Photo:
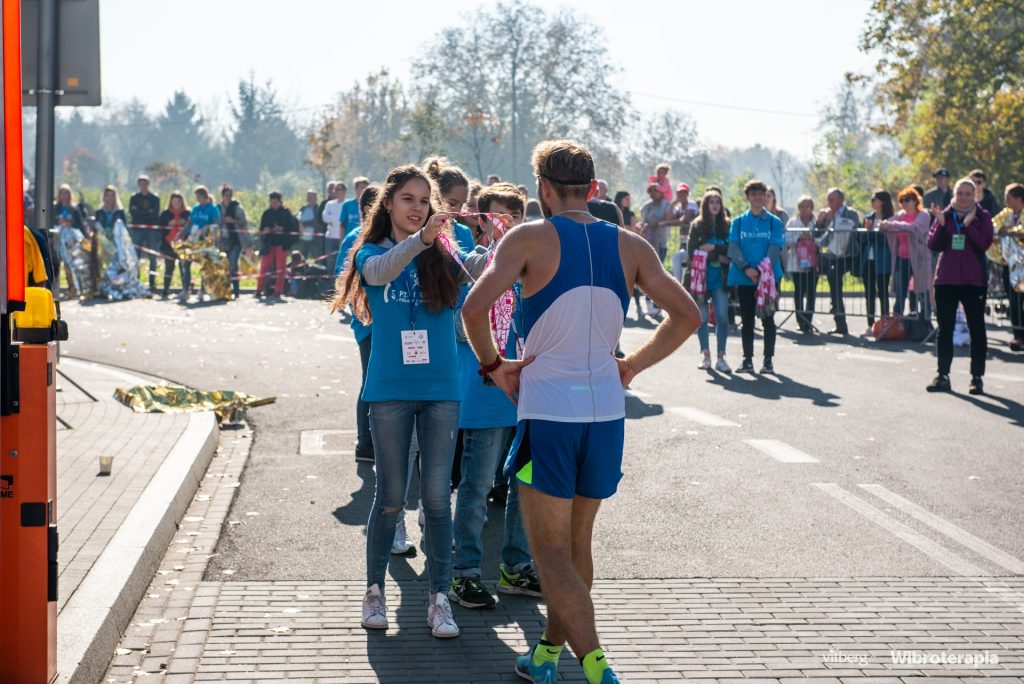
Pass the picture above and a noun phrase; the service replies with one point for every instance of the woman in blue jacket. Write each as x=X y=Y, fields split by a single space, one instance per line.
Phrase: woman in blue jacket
x=404 y=281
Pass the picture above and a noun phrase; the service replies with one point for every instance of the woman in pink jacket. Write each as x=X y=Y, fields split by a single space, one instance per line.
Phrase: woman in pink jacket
x=907 y=233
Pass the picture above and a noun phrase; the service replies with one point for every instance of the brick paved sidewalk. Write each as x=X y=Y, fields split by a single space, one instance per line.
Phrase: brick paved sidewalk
x=706 y=629
x=90 y=507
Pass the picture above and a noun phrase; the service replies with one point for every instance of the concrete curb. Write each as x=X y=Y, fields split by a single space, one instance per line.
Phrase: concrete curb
x=97 y=615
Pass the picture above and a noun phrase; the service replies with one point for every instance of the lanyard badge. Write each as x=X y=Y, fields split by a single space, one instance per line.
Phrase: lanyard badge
x=959 y=240
x=415 y=343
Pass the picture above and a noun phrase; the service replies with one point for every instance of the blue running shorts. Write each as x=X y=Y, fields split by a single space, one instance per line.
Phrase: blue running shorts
x=568 y=459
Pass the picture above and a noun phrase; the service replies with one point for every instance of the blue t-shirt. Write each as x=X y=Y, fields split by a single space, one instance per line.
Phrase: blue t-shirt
x=755 y=234
x=393 y=306
x=359 y=329
x=204 y=214
x=350 y=216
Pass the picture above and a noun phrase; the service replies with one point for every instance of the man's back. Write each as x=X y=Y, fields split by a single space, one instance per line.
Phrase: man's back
x=572 y=324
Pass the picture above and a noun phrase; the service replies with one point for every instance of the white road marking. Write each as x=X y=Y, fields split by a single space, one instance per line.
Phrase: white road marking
x=958 y=534
x=701 y=417
x=781 y=451
x=312 y=443
x=170 y=317
x=869 y=357
x=336 y=338
x=918 y=541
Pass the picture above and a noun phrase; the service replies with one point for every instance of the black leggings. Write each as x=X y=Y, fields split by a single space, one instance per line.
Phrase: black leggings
x=876 y=286
x=805 y=284
x=973 y=298
x=748 y=312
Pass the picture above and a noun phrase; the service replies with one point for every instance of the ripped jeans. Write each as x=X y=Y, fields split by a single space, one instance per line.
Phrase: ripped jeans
x=391 y=426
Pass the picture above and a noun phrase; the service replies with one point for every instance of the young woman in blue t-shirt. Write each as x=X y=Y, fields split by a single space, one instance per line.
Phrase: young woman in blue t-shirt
x=402 y=278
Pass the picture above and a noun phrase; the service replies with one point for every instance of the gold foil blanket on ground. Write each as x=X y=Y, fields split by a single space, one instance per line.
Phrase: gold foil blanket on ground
x=229 y=406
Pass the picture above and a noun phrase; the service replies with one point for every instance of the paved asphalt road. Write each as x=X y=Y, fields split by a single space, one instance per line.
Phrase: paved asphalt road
x=839 y=466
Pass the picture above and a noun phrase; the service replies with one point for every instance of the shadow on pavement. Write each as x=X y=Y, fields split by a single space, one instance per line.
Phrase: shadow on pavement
x=774 y=387
x=1009 y=409
x=637 y=408
x=408 y=653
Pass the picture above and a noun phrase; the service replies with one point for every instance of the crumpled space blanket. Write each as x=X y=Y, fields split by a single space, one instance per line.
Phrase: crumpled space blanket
x=230 y=406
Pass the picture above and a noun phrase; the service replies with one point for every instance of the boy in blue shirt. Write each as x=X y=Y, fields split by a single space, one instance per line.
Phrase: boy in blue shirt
x=755 y=235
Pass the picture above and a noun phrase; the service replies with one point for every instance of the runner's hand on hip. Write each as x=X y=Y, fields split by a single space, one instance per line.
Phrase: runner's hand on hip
x=506 y=376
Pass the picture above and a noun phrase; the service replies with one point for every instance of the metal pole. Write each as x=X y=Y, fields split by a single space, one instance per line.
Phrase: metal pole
x=46 y=95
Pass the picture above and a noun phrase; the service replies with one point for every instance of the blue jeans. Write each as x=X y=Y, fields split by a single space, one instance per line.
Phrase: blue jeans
x=392 y=423
x=481 y=453
x=720 y=300
x=364 y=441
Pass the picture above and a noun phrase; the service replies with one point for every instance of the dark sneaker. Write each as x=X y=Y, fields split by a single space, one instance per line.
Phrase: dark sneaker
x=746 y=367
x=498 y=495
x=524 y=582
x=977 y=386
x=768 y=367
x=940 y=384
x=468 y=592
x=1017 y=344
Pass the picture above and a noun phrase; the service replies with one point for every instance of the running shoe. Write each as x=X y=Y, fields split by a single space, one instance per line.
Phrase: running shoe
x=746 y=367
x=469 y=592
x=375 y=610
x=722 y=366
x=610 y=677
x=524 y=582
x=976 y=386
x=1017 y=344
x=440 y=619
x=705 y=362
x=401 y=546
x=545 y=673
x=767 y=367
x=940 y=384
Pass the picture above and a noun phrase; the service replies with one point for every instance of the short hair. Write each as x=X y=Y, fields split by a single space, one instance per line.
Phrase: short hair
x=505 y=193
x=201 y=190
x=360 y=179
x=909 y=193
x=275 y=194
x=805 y=199
x=663 y=166
x=226 y=187
x=979 y=173
x=754 y=185
x=1015 y=190
x=566 y=165
x=341 y=185
x=493 y=178
x=836 y=191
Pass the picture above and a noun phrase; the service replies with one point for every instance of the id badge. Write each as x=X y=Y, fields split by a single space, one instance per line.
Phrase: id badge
x=959 y=240
x=415 y=349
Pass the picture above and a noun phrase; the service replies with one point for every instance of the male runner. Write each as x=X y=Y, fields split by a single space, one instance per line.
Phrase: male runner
x=577 y=275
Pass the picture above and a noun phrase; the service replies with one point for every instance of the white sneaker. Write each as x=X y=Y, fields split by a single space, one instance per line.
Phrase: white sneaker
x=440 y=619
x=401 y=546
x=375 y=611
x=705 y=362
x=722 y=366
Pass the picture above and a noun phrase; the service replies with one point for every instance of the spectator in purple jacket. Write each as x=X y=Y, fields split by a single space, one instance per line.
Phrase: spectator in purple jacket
x=960 y=234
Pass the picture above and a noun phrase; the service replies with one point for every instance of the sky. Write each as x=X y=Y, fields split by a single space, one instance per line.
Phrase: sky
x=747 y=71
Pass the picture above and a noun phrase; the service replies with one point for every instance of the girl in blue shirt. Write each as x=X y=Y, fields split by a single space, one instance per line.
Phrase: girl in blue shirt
x=401 y=278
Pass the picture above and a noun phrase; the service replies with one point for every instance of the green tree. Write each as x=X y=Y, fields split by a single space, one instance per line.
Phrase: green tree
x=262 y=141
x=951 y=77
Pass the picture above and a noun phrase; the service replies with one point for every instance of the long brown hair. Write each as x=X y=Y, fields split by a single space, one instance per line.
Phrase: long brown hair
x=716 y=223
x=438 y=285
